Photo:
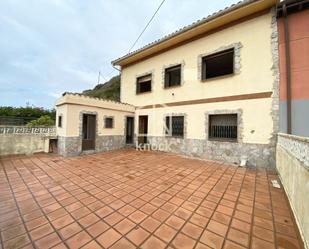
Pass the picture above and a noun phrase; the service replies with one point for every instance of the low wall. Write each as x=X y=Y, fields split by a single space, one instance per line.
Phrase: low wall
x=24 y=140
x=292 y=158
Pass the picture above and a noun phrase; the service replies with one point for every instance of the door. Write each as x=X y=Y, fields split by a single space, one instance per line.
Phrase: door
x=89 y=132
x=129 y=130
x=142 y=129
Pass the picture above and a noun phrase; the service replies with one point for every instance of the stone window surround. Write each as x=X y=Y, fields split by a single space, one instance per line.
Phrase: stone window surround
x=184 y=124
x=81 y=113
x=240 y=124
x=237 y=60
x=152 y=73
x=182 y=64
x=106 y=116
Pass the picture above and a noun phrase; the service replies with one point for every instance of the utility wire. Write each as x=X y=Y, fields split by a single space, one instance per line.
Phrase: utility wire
x=146 y=25
x=100 y=75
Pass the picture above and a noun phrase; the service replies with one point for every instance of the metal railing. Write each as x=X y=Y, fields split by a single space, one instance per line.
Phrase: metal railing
x=51 y=131
x=223 y=132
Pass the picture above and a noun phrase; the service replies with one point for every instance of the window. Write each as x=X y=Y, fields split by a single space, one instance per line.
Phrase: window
x=218 y=64
x=109 y=122
x=60 y=121
x=223 y=127
x=143 y=84
x=174 y=126
x=172 y=76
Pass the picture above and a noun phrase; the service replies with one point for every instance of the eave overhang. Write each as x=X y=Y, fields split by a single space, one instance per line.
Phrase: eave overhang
x=196 y=30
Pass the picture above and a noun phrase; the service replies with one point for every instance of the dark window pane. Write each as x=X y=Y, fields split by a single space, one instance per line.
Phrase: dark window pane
x=109 y=122
x=172 y=76
x=143 y=84
x=218 y=64
x=59 y=121
x=223 y=127
x=177 y=126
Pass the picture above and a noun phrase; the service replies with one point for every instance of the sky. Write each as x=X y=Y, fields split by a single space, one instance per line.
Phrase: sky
x=48 y=47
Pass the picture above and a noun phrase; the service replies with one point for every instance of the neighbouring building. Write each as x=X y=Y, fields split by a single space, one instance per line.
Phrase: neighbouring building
x=209 y=90
x=293 y=28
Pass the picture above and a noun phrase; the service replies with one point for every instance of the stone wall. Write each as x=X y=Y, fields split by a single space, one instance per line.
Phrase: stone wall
x=257 y=155
x=292 y=161
x=72 y=146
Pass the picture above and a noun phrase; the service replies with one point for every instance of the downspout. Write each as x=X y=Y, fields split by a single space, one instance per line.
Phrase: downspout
x=288 y=70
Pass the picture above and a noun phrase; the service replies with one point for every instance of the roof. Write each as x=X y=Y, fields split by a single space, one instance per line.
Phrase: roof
x=215 y=20
x=84 y=100
x=292 y=6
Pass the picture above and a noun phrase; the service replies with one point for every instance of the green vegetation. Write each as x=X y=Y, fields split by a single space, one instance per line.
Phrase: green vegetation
x=23 y=115
x=26 y=112
x=108 y=90
x=43 y=121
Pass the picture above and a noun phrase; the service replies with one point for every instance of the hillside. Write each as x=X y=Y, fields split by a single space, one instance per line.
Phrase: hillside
x=108 y=90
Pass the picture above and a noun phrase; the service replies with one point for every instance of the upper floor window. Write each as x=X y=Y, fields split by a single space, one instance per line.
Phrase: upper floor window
x=223 y=127
x=143 y=84
x=109 y=122
x=59 y=121
x=218 y=64
x=172 y=76
x=174 y=126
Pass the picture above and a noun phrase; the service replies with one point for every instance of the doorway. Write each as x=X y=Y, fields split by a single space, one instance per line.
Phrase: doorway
x=89 y=132
x=129 y=130
x=142 y=129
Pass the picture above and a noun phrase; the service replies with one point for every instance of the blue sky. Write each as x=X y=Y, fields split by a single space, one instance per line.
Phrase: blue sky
x=48 y=47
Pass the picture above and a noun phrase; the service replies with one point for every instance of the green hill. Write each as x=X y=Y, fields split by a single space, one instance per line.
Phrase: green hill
x=108 y=90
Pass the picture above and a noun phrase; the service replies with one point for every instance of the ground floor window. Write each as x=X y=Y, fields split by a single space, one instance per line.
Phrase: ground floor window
x=223 y=127
x=174 y=126
x=108 y=122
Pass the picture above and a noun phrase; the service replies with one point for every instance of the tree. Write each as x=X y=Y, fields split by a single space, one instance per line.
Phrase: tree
x=43 y=121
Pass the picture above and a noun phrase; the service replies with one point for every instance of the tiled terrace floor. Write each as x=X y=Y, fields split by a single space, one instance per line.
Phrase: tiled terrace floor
x=128 y=199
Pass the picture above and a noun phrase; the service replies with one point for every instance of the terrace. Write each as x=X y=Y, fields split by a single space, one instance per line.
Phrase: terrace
x=132 y=199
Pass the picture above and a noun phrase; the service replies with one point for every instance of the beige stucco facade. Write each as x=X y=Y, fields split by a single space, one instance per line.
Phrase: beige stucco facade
x=255 y=76
x=71 y=105
x=255 y=66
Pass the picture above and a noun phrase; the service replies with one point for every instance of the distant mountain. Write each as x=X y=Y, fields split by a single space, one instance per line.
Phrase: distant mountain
x=108 y=90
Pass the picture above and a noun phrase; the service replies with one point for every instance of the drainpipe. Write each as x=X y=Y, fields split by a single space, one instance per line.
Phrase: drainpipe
x=288 y=70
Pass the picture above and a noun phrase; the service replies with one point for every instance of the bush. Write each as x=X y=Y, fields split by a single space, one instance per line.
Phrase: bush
x=43 y=121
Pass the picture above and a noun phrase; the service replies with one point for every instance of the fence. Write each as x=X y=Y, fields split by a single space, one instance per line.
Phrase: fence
x=27 y=130
x=12 y=120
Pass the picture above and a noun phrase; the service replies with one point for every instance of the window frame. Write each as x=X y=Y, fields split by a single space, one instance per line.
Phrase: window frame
x=223 y=139
x=113 y=120
x=167 y=72
x=213 y=55
x=169 y=127
x=138 y=92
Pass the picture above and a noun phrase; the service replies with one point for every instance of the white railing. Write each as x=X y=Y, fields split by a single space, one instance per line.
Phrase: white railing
x=50 y=131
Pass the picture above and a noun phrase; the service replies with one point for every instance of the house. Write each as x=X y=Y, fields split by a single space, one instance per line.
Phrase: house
x=209 y=90
x=86 y=125
x=213 y=85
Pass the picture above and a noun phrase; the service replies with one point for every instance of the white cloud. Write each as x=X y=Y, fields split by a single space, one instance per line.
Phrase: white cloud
x=49 y=47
